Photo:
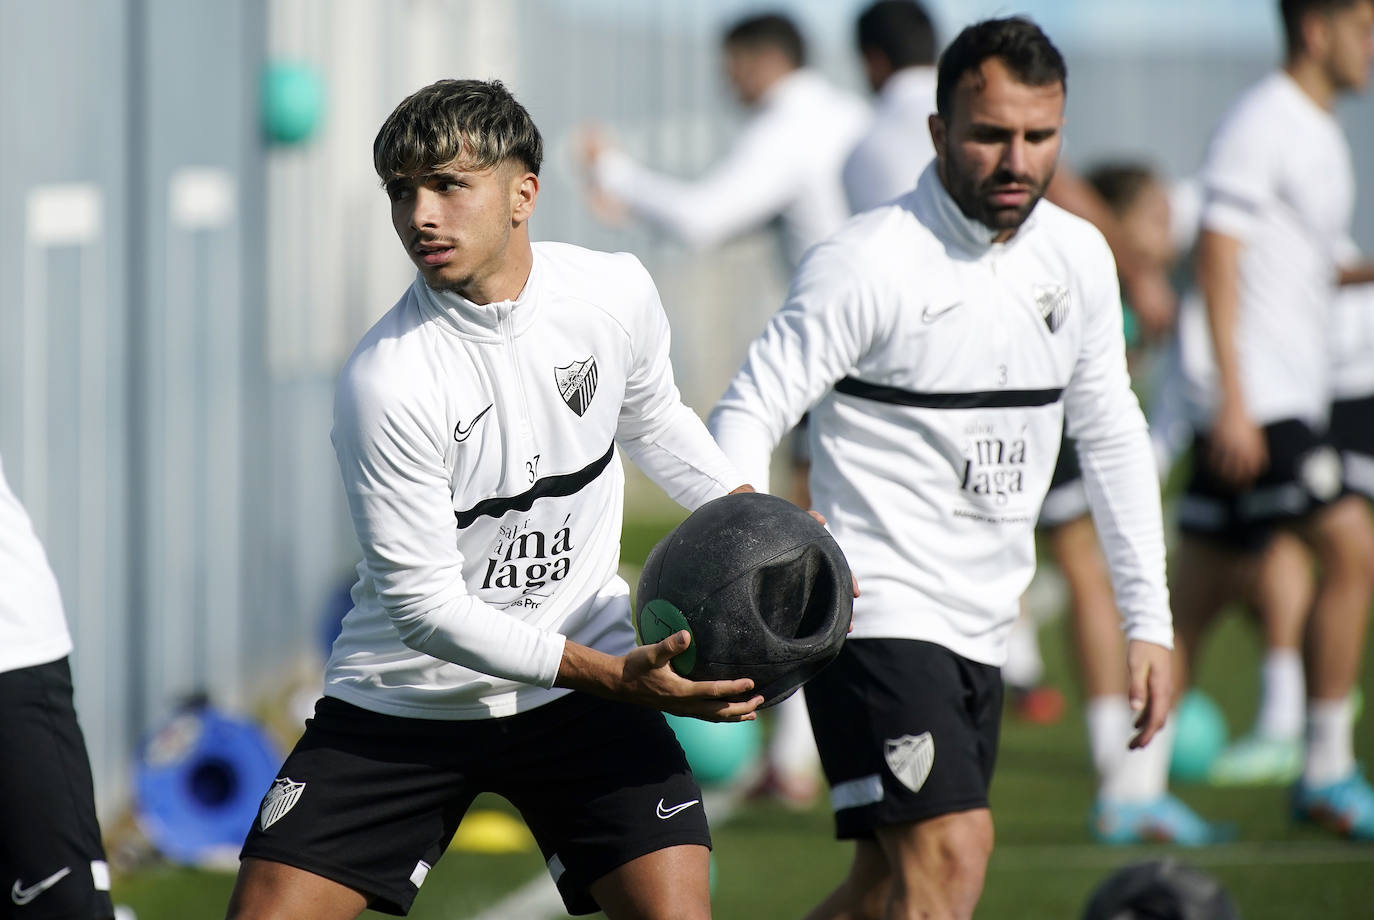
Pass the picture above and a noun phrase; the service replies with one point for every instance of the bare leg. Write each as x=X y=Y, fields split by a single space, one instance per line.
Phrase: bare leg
x=1100 y=648
x=932 y=870
x=1332 y=791
x=1205 y=579
x=1343 y=540
x=864 y=893
x=1281 y=598
x=272 y=891
x=670 y=883
x=1282 y=592
x=939 y=865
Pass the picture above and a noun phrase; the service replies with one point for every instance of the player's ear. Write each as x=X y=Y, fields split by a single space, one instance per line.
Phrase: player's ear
x=939 y=134
x=524 y=194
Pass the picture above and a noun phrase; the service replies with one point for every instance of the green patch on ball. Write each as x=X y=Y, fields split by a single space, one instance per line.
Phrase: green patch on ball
x=658 y=620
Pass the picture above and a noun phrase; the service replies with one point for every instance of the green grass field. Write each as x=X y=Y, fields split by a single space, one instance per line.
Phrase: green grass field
x=775 y=863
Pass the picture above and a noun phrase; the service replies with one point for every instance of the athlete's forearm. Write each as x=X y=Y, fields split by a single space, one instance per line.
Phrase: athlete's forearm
x=1362 y=273
x=588 y=670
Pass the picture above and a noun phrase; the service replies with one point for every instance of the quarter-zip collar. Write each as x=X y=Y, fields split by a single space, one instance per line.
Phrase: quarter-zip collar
x=483 y=321
x=973 y=237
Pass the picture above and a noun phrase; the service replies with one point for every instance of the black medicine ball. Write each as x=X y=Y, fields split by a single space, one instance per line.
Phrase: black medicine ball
x=760 y=584
x=1163 y=889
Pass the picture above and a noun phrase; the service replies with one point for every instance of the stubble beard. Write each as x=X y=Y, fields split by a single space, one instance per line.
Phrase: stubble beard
x=970 y=195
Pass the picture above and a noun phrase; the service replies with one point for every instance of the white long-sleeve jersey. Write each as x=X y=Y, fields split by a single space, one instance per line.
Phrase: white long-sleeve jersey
x=33 y=628
x=941 y=367
x=785 y=164
x=477 y=446
x=1278 y=177
x=890 y=156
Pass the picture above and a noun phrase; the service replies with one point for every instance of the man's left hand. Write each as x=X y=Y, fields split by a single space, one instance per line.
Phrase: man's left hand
x=1151 y=672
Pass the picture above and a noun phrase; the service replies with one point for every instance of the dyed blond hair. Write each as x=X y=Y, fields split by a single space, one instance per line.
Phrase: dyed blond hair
x=476 y=123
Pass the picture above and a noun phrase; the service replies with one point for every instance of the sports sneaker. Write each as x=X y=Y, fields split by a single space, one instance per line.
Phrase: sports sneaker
x=1164 y=820
x=1257 y=761
x=1345 y=806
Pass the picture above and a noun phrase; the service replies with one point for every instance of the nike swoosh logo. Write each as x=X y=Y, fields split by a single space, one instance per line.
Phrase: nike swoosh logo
x=929 y=316
x=460 y=433
x=666 y=813
x=21 y=895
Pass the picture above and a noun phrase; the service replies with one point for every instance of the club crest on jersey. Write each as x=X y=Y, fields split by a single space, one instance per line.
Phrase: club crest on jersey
x=280 y=799
x=910 y=758
x=1053 y=303
x=577 y=383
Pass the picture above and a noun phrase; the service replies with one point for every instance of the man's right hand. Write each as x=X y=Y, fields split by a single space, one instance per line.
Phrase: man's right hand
x=1237 y=451
x=645 y=676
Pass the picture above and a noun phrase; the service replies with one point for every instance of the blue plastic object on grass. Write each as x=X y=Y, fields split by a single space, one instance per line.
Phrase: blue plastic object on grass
x=198 y=783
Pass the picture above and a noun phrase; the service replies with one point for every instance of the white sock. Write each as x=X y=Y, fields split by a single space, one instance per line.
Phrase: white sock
x=1109 y=729
x=1282 y=695
x=1024 y=667
x=1330 y=744
x=1124 y=775
x=792 y=748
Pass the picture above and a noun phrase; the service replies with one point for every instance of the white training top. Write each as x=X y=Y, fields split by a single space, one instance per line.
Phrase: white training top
x=785 y=164
x=1352 y=352
x=1352 y=334
x=887 y=160
x=478 y=451
x=1279 y=178
x=33 y=628
x=941 y=368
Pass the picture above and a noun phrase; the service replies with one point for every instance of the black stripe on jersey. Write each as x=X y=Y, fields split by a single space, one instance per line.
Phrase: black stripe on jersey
x=549 y=486
x=985 y=399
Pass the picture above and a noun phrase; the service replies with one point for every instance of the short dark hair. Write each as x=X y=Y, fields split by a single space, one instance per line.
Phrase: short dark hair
x=1016 y=41
x=475 y=121
x=1293 y=12
x=1120 y=184
x=769 y=30
x=900 y=30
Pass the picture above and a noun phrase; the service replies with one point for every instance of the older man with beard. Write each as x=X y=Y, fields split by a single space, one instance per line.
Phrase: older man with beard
x=940 y=343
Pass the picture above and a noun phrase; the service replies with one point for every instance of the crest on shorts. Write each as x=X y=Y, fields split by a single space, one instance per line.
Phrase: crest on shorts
x=577 y=383
x=1053 y=302
x=280 y=799
x=910 y=758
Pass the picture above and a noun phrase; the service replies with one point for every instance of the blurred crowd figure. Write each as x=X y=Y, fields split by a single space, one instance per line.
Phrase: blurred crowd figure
x=897 y=46
x=1268 y=456
x=779 y=168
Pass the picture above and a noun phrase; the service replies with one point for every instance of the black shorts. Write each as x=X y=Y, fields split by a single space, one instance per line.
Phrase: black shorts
x=906 y=730
x=52 y=863
x=371 y=800
x=1352 y=431
x=1302 y=477
x=1066 y=499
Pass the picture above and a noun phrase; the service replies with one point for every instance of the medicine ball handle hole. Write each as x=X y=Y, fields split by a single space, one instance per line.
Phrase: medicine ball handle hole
x=785 y=586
